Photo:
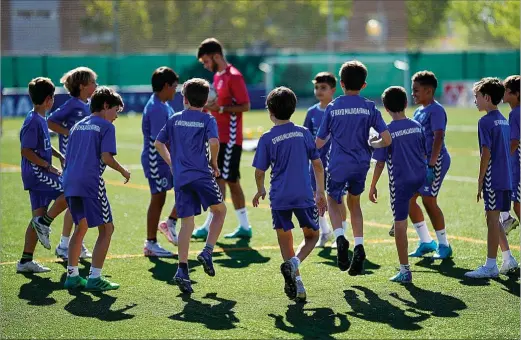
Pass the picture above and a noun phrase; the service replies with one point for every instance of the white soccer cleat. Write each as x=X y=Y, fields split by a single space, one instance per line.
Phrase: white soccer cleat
x=85 y=253
x=62 y=253
x=31 y=267
x=152 y=249
x=483 y=273
x=323 y=239
x=301 y=292
x=509 y=224
x=169 y=232
x=42 y=231
x=509 y=266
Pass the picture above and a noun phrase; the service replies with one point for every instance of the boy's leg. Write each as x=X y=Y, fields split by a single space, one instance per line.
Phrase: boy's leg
x=41 y=224
x=343 y=213
x=181 y=277
x=289 y=268
x=400 y=239
x=62 y=249
x=216 y=226
x=357 y=223
x=151 y=247
x=426 y=244
x=26 y=263
x=168 y=227
x=325 y=231
x=74 y=280
x=343 y=261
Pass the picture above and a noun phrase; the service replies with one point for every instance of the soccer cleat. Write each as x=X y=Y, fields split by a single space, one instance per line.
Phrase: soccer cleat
x=509 y=224
x=183 y=282
x=85 y=253
x=443 y=252
x=200 y=233
x=402 y=277
x=357 y=262
x=391 y=231
x=240 y=232
x=42 y=231
x=343 y=261
x=323 y=239
x=205 y=259
x=424 y=248
x=509 y=266
x=75 y=282
x=62 y=253
x=153 y=249
x=100 y=284
x=169 y=232
x=301 y=292
x=483 y=273
x=31 y=267
x=288 y=271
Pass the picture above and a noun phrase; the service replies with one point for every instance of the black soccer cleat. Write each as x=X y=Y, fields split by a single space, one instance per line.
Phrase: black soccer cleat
x=342 y=255
x=290 y=286
x=357 y=264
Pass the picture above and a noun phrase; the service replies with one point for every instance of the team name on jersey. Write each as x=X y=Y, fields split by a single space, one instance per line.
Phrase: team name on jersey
x=287 y=136
x=405 y=132
x=88 y=127
x=350 y=111
x=189 y=124
x=500 y=122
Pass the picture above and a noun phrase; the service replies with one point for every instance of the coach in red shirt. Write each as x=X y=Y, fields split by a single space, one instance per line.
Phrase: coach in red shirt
x=232 y=101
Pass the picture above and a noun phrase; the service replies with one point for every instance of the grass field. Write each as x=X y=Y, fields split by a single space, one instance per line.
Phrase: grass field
x=245 y=299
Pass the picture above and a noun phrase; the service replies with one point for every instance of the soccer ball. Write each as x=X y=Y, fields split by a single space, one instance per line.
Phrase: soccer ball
x=212 y=96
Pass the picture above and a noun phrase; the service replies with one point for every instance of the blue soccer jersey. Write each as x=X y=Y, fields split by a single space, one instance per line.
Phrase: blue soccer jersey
x=432 y=118
x=348 y=120
x=84 y=167
x=155 y=116
x=187 y=132
x=287 y=149
x=513 y=121
x=71 y=112
x=312 y=122
x=494 y=133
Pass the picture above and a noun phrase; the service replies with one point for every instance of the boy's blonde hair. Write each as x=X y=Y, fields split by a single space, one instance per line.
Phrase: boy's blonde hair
x=76 y=77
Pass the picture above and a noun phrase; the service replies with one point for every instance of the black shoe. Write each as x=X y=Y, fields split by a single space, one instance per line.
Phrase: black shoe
x=342 y=255
x=183 y=282
x=290 y=286
x=357 y=264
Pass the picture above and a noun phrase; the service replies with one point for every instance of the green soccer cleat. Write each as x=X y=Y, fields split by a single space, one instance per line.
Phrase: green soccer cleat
x=73 y=282
x=240 y=232
x=200 y=233
x=100 y=284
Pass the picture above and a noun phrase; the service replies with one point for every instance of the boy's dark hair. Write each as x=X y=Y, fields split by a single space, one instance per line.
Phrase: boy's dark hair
x=209 y=46
x=512 y=83
x=426 y=78
x=353 y=75
x=281 y=102
x=491 y=86
x=76 y=77
x=39 y=89
x=196 y=91
x=102 y=95
x=161 y=76
x=395 y=99
x=325 y=78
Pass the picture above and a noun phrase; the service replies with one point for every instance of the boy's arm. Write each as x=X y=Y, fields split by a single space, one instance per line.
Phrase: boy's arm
x=163 y=152
x=261 y=191
x=214 y=152
x=514 y=144
x=378 y=169
x=483 y=165
x=318 y=169
x=439 y=135
x=109 y=160
x=58 y=155
x=32 y=157
x=58 y=128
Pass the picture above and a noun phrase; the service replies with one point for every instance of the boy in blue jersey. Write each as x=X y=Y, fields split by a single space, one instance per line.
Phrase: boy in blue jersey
x=347 y=122
x=189 y=134
x=80 y=83
x=288 y=149
x=512 y=98
x=39 y=176
x=160 y=180
x=495 y=175
x=324 y=88
x=433 y=119
x=91 y=148
x=406 y=167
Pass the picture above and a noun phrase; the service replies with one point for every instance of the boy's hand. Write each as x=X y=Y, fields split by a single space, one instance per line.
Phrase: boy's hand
x=54 y=170
x=480 y=189
x=213 y=107
x=373 y=194
x=320 y=199
x=261 y=193
x=215 y=169
x=125 y=173
x=430 y=175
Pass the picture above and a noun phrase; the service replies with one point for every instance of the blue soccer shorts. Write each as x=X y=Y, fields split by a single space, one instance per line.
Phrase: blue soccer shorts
x=353 y=184
x=307 y=218
x=497 y=199
x=42 y=199
x=160 y=181
x=440 y=170
x=202 y=192
x=400 y=196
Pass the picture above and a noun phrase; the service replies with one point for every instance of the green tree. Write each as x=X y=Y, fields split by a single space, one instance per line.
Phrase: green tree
x=424 y=20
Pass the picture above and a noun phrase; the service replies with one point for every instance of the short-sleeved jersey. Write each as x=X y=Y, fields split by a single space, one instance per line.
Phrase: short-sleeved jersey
x=432 y=118
x=89 y=138
x=406 y=156
x=71 y=112
x=513 y=121
x=155 y=116
x=494 y=133
x=312 y=122
x=287 y=149
x=34 y=135
x=187 y=133
x=348 y=120
x=231 y=90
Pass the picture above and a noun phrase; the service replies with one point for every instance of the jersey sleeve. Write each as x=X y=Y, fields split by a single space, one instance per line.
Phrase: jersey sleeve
x=261 y=160
x=108 y=140
x=238 y=89
x=311 y=147
x=514 y=125
x=61 y=114
x=325 y=127
x=378 y=122
x=380 y=154
x=29 y=135
x=307 y=121
x=211 y=128
x=163 y=135
x=484 y=134
x=438 y=119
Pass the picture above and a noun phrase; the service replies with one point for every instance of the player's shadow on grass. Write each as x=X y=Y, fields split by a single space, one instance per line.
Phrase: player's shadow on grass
x=329 y=254
x=37 y=291
x=240 y=255
x=220 y=316
x=165 y=271
x=84 y=305
x=311 y=323
x=438 y=304
x=448 y=268
x=511 y=283
x=382 y=311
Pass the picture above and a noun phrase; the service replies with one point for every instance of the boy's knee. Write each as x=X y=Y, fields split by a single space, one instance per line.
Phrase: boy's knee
x=219 y=210
x=311 y=234
x=107 y=229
